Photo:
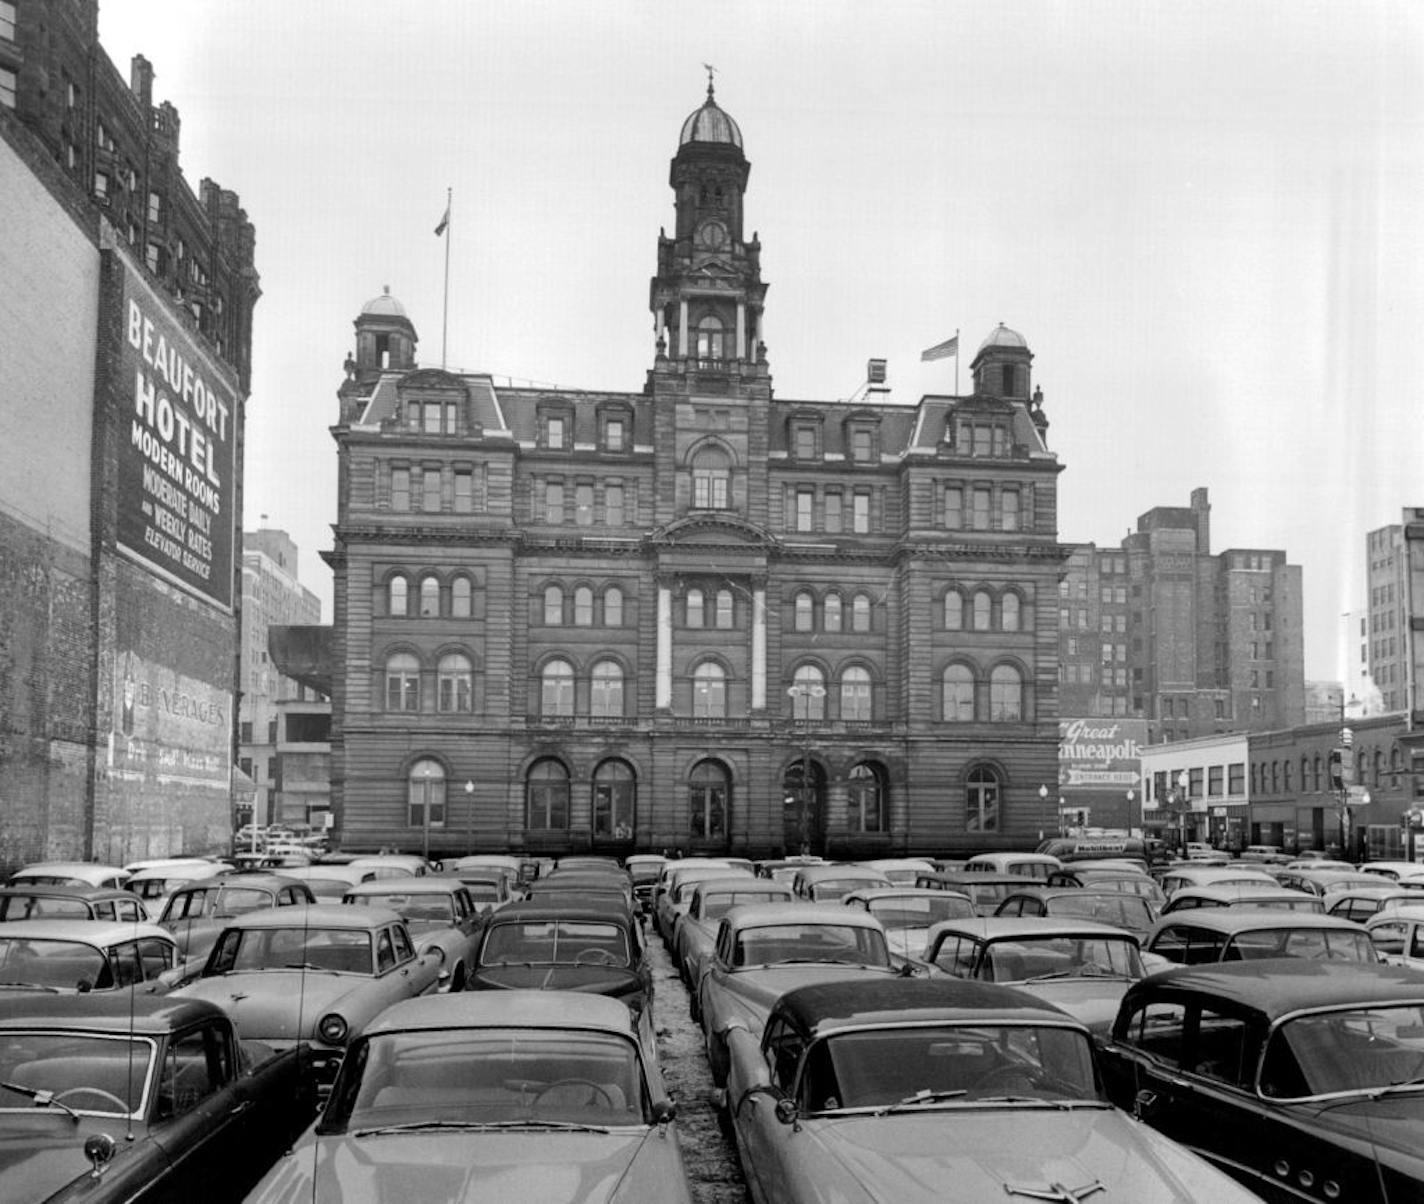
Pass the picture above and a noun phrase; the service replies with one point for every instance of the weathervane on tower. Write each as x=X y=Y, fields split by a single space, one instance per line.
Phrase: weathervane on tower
x=711 y=71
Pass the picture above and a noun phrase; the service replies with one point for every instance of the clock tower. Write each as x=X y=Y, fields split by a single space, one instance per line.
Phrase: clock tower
x=708 y=294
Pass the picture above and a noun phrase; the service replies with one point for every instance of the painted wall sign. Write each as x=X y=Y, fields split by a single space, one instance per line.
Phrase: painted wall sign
x=1096 y=753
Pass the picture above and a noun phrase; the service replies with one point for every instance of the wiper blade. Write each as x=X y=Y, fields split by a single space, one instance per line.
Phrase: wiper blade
x=477 y=1126
x=43 y=1099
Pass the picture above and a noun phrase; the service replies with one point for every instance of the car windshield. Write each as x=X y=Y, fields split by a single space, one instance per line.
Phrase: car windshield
x=494 y=1076
x=341 y=949
x=33 y=907
x=1364 y=1049
x=920 y=911
x=776 y=944
x=829 y=890
x=82 y=1072
x=555 y=942
x=1326 y=944
x=916 y=1067
x=420 y=908
x=714 y=907
x=1126 y=911
x=66 y=965
x=1025 y=958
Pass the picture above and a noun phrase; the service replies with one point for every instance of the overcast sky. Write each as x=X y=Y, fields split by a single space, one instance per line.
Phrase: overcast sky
x=1204 y=217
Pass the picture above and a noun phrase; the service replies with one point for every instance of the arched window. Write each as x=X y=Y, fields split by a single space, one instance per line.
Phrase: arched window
x=953 y=611
x=865 y=798
x=860 y=613
x=983 y=610
x=709 y=691
x=709 y=798
x=958 y=694
x=981 y=800
x=710 y=339
x=606 y=690
x=696 y=608
x=1005 y=695
x=805 y=612
x=455 y=678
x=1286 y=776
x=613 y=607
x=614 y=796
x=808 y=693
x=403 y=682
x=557 y=695
x=725 y=610
x=583 y=607
x=1010 y=612
x=430 y=597
x=425 y=794
x=1304 y=774
x=399 y=592
x=1315 y=772
x=553 y=606
x=460 y=598
x=1377 y=768
x=546 y=796
x=711 y=477
x=831 y=612
x=855 y=693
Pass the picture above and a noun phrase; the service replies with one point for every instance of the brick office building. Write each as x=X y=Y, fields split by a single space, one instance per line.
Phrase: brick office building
x=127 y=312
x=697 y=615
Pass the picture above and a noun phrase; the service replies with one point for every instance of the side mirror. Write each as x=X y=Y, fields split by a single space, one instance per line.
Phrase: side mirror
x=100 y=1149
x=664 y=1110
x=786 y=1111
x=1144 y=1104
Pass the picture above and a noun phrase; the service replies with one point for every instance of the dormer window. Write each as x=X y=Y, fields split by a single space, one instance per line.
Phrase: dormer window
x=615 y=434
x=554 y=432
x=804 y=441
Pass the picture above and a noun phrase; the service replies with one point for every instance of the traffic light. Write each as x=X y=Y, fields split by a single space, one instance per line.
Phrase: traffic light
x=1337 y=769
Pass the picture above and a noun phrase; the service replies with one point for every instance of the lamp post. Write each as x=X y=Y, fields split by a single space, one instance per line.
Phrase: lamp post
x=1181 y=801
x=806 y=690
x=469 y=815
x=1130 y=796
x=1042 y=803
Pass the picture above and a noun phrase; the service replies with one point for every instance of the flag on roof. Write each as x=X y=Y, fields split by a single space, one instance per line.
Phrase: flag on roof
x=444 y=221
x=942 y=350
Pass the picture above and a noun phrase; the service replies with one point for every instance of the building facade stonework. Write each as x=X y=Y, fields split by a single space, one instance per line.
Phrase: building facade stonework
x=695 y=616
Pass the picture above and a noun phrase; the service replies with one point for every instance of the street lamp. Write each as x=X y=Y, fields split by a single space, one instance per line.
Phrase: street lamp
x=1131 y=795
x=469 y=815
x=1183 y=801
x=1042 y=802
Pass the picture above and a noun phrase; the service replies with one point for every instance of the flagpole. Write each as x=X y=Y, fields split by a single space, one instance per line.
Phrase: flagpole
x=956 y=357
x=445 y=316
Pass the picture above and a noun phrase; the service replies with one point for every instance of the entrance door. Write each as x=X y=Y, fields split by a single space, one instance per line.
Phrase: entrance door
x=803 y=802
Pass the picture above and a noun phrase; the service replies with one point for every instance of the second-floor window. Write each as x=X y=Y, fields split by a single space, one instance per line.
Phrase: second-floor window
x=711 y=476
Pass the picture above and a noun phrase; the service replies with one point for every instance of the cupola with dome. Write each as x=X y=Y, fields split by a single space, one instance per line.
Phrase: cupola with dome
x=385 y=337
x=1002 y=366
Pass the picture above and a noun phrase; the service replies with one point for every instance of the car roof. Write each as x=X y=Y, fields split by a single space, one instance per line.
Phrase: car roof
x=124 y=1012
x=508 y=1009
x=67 y=890
x=315 y=915
x=876 y=893
x=1278 y=986
x=992 y=928
x=841 y=870
x=1408 y=911
x=1242 y=890
x=757 y=915
x=427 y=884
x=88 y=932
x=965 y=878
x=239 y=882
x=1072 y=892
x=1246 y=919
x=738 y=883
x=74 y=869
x=827 y=1007
x=605 y=910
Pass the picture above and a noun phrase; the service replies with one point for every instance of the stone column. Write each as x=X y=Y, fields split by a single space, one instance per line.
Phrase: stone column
x=682 y=328
x=759 y=648
x=662 y=697
x=741 y=330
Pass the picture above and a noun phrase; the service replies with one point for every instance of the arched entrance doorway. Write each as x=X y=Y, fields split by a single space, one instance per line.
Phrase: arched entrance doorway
x=803 y=807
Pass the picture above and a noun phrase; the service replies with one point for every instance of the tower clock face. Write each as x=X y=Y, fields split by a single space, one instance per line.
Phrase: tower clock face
x=712 y=235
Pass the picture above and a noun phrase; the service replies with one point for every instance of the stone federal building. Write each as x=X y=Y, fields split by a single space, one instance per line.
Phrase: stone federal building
x=699 y=615
x=127 y=317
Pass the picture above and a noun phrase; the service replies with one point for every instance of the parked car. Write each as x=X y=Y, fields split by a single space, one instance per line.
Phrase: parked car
x=1361 y=903
x=926 y=1092
x=1396 y=871
x=518 y=1095
x=643 y=870
x=197 y=912
x=105 y=1100
x=768 y=948
x=1175 y=877
x=153 y=881
x=695 y=930
x=566 y=945
x=831 y=882
x=70 y=903
x=673 y=891
x=393 y=865
x=1261 y=896
x=1303 y=1079
x=1120 y=909
x=907 y=913
x=87 y=956
x=1325 y=882
x=985 y=891
x=69 y=873
x=440 y=914
x=1224 y=934
x=490 y=887
x=1027 y=865
x=315 y=973
x=1101 y=875
x=1398 y=934
x=582 y=884
x=902 y=871
x=1265 y=854
x=1081 y=966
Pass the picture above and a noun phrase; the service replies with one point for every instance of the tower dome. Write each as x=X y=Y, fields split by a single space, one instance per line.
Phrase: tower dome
x=384 y=306
x=385 y=336
x=710 y=124
x=1002 y=336
x=1002 y=366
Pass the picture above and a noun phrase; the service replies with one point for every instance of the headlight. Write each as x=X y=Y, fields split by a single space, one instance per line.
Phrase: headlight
x=332 y=1029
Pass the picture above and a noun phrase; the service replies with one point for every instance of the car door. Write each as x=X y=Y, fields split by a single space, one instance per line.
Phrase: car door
x=764 y=1141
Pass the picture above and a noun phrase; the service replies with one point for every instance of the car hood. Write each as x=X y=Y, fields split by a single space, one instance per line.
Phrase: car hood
x=622 y=1166
x=41 y=1152
x=270 y=1004
x=593 y=980
x=1093 y=1001
x=978 y=1154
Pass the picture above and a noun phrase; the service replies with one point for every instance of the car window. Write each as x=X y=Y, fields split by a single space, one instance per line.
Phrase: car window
x=1389 y=936
x=1188 y=945
x=155 y=956
x=125 y=964
x=1225 y=1049
x=1157 y=1029
x=128 y=911
x=404 y=949
x=189 y=1075
x=385 y=952
x=955 y=955
x=783 y=1046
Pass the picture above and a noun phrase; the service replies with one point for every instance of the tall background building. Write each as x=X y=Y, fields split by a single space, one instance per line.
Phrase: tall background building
x=127 y=312
x=696 y=615
x=272 y=596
